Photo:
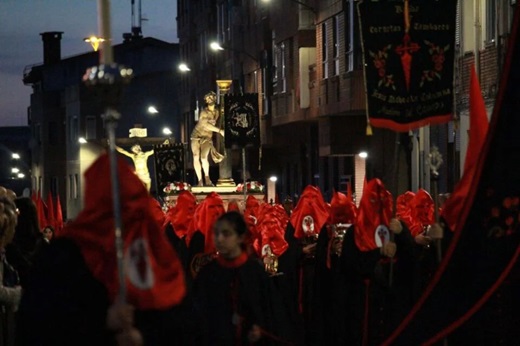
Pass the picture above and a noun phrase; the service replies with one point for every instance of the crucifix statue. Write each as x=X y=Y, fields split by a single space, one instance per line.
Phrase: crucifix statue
x=140 y=159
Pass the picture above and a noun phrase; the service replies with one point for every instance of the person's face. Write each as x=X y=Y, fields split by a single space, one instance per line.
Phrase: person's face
x=47 y=233
x=210 y=100
x=227 y=241
x=136 y=149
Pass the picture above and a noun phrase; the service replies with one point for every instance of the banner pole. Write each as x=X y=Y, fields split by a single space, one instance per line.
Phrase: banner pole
x=244 y=189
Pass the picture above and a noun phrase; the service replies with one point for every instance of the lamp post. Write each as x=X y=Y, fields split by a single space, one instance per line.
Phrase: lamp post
x=225 y=173
x=215 y=46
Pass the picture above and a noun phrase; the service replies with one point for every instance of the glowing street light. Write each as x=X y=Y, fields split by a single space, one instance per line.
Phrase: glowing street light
x=166 y=131
x=94 y=41
x=363 y=154
x=16 y=156
x=82 y=140
x=21 y=175
x=215 y=46
x=15 y=170
x=152 y=110
x=184 y=67
x=273 y=179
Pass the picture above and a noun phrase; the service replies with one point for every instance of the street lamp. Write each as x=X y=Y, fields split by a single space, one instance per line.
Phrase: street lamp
x=82 y=140
x=363 y=154
x=216 y=47
x=21 y=175
x=15 y=156
x=15 y=170
x=166 y=131
x=152 y=110
x=184 y=67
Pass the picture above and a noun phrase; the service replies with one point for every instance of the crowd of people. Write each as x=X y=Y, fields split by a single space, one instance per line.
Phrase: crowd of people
x=215 y=273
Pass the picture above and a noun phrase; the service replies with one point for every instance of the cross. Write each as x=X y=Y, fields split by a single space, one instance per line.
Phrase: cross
x=382 y=235
x=405 y=50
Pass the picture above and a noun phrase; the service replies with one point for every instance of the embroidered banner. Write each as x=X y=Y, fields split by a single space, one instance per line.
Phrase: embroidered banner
x=169 y=164
x=408 y=49
x=242 y=126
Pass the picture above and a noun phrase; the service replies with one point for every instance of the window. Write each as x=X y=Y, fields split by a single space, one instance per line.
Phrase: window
x=265 y=99
x=491 y=21
x=203 y=44
x=90 y=132
x=324 y=50
x=283 y=70
x=349 y=37
x=53 y=133
x=335 y=37
x=54 y=186
x=223 y=22
x=71 y=187
x=76 y=186
x=37 y=133
x=73 y=130
x=276 y=59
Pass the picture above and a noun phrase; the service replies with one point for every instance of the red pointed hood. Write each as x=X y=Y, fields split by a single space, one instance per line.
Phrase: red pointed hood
x=311 y=213
x=206 y=214
x=424 y=209
x=404 y=208
x=42 y=218
x=342 y=209
x=272 y=221
x=50 y=211
x=181 y=215
x=250 y=214
x=58 y=216
x=374 y=214
x=233 y=206
x=154 y=276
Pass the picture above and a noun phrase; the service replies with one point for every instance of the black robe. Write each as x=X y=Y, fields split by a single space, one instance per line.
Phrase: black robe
x=221 y=294
x=373 y=307
x=62 y=304
x=329 y=297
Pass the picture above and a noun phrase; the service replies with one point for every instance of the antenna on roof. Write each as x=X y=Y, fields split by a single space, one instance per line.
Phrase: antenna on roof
x=137 y=20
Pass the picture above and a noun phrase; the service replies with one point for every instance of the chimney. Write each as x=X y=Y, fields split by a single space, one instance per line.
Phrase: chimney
x=51 y=46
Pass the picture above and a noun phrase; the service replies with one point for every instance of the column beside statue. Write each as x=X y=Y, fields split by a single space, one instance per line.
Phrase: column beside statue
x=225 y=171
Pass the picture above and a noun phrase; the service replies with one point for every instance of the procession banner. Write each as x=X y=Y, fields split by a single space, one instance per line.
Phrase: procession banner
x=169 y=164
x=473 y=297
x=408 y=50
x=241 y=119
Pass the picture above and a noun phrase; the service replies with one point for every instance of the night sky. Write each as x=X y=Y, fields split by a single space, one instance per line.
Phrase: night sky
x=21 y=22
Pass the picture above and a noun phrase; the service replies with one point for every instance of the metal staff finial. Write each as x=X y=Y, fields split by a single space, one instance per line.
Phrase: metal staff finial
x=107 y=81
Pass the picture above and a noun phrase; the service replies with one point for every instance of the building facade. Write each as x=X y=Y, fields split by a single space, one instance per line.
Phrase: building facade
x=63 y=110
x=304 y=60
